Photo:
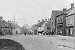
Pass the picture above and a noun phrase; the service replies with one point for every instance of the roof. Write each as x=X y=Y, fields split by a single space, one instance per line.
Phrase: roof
x=71 y=11
x=41 y=23
x=34 y=27
x=48 y=24
x=56 y=12
x=15 y=25
x=3 y=23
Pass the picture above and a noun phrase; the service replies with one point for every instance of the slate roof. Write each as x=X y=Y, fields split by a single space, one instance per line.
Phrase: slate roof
x=34 y=27
x=56 y=12
x=41 y=23
x=3 y=23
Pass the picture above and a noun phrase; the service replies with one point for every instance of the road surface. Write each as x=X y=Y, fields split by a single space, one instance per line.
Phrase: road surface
x=38 y=42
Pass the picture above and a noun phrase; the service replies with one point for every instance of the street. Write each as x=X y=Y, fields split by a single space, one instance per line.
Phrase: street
x=35 y=42
x=37 y=25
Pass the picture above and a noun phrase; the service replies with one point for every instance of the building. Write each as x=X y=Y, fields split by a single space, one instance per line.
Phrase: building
x=70 y=21
x=15 y=28
x=65 y=22
x=48 y=28
x=61 y=23
x=18 y=31
x=5 y=28
x=53 y=19
x=44 y=26
x=34 y=29
x=41 y=26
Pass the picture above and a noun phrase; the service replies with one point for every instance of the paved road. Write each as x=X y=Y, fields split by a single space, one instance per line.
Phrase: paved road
x=37 y=42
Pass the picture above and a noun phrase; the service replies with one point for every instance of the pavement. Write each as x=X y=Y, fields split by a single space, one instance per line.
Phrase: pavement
x=63 y=41
x=35 y=42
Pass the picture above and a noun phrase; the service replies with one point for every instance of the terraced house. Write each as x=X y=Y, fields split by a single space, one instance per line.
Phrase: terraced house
x=70 y=21
x=65 y=22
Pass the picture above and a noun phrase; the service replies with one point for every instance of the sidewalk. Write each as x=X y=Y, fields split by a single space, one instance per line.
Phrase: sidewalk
x=60 y=41
x=63 y=41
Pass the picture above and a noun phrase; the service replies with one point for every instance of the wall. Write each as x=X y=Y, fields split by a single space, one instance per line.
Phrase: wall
x=70 y=20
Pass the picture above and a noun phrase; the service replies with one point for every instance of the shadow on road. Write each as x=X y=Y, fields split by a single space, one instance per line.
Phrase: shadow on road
x=7 y=44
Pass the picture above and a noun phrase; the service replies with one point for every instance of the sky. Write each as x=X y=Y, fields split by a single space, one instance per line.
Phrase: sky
x=30 y=11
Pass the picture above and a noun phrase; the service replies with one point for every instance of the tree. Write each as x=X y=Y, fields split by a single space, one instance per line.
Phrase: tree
x=24 y=30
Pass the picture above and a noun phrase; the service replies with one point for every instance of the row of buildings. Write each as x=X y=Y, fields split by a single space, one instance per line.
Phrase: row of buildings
x=8 y=27
x=42 y=27
x=62 y=22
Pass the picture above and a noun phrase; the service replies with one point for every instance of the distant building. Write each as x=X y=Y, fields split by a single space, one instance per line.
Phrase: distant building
x=15 y=29
x=44 y=26
x=34 y=29
x=41 y=26
x=5 y=28
x=49 y=26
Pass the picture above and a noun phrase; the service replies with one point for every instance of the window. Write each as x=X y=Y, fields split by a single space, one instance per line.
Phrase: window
x=57 y=20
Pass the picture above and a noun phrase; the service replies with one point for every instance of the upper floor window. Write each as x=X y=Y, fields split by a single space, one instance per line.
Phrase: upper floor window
x=59 y=19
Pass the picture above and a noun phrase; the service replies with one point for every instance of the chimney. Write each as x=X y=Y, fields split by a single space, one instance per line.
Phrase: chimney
x=45 y=19
x=42 y=19
x=38 y=21
x=1 y=18
x=64 y=9
x=72 y=5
